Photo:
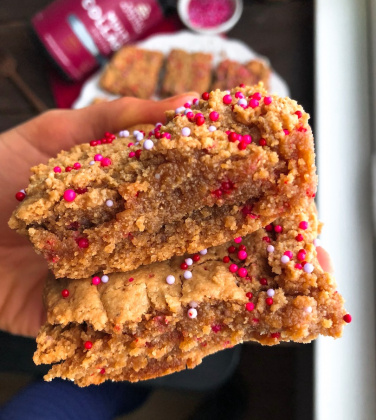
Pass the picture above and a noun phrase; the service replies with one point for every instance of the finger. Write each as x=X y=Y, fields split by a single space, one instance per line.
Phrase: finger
x=125 y=112
x=324 y=259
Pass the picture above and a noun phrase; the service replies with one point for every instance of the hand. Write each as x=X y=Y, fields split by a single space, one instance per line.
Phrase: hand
x=22 y=272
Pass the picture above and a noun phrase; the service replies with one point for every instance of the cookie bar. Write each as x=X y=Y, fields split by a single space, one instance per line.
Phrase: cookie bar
x=267 y=287
x=232 y=73
x=220 y=168
x=132 y=72
x=187 y=72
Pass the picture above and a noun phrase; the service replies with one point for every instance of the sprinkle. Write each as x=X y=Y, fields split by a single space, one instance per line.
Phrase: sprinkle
x=92 y=162
x=148 y=144
x=262 y=142
x=106 y=162
x=189 y=261
x=135 y=132
x=242 y=255
x=285 y=259
x=233 y=268
x=200 y=119
x=166 y=135
x=212 y=128
x=139 y=136
x=242 y=272
x=287 y=132
x=187 y=275
x=196 y=258
x=278 y=229
x=57 y=169
x=204 y=252
x=317 y=242
x=239 y=95
x=249 y=295
x=242 y=101
x=88 y=345
x=289 y=254
x=131 y=154
x=213 y=116
x=263 y=281
x=254 y=103
x=77 y=165
x=205 y=96
x=82 y=242
x=247 y=139
x=190 y=115
x=158 y=125
x=308 y=309
x=250 y=306
x=308 y=268
x=269 y=227
x=98 y=157
x=69 y=195
x=170 y=279
x=231 y=249
x=270 y=292
x=185 y=131
x=298 y=266
x=195 y=101
x=109 y=203
x=104 y=279
x=299 y=237
x=298 y=114
x=68 y=169
x=238 y=240
x=303 y=225
x=179 y=110
x=275 y=335
x=188 y=111
x=193 y=304
x=96 y=280
x=301 y=255
x=20 y=195
x=192 y=313
x=187 y=105
x=226 y=259
x=183 y=266
x=270 y=248
x=268 y=100
x=130 y=279
x=124 y=133
x=257 y=96
x=65 y=293
x=269 y=301
x=347 y=318
x=227 y=99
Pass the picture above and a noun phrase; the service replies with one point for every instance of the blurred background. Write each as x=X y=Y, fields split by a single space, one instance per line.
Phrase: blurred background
x=320 y=53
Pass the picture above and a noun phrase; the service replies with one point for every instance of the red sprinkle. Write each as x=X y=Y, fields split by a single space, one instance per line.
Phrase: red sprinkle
x=250 y=306
x=255 y=320
x=214 y=116
x=227 y=99
x=231 y=249
x=299 y=114
x=68 y=169
x=190 y=115
x=205 y=96
x=183 y=266
x=301 y=255
x=106 y=161
x=266 y=239
x=218 y=193
x=65 y=293
x=269 y=228
x=20 y=196
x=347 y=318
x=303 y=225
x=216 y=328
x=233 y=268
x=254 y=103
x=226 y=259
x=200 y=120
x=130 y=279
x=249 y=295
x=269 y=301
x=263 y=281
x=138 y=153
x=88 y=345
x=275 y=335
x=289 y=254
x=196 y=258
x=93 y=143
x=262 y=142
x=82 y=242
x=298 y=266
x=242 y=145
x=299 y=237
x=232 y=137
x=257 y=96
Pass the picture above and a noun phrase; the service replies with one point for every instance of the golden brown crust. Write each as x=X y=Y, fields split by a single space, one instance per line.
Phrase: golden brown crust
x=140 y=328
x=185 y=194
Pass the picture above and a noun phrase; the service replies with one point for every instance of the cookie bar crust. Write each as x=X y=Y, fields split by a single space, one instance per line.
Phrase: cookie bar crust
x=220 y=170
x=144 y=323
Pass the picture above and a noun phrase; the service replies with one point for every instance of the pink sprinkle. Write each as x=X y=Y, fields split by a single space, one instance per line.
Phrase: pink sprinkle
x=238 y=240
x=299 y=237
x=130 y=279
x=298 y=266
x=289 y=254
x=242 y=255
x=187 y=105
x=190 y=115
x=287 y=132
x=96 y=280
x=130 y=144
x=57 y=169
x=77 y=165
x=167 y=135
x=106 y=161
x=239 y=95
x=242 y=272
x=98 y=157
x=268 y=100
x=303 y=225
x=69 y=195
x=301 y=255
x=227 y=99
x=214 y=116
x=278 y=229
x=250 y=306
x=257 y=96
x=131 y=154
x=233 y=268
x=254 y=103
x=247 y=139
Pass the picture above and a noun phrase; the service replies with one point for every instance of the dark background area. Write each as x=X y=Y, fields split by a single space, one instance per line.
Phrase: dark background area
x=269 y=383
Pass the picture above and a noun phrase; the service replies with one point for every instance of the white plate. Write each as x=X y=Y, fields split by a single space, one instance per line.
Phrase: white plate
x=219 y=47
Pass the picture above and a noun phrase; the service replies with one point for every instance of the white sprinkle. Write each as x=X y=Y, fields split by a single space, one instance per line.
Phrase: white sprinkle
x=124 y=133
x=139 y=136
x=92 y=162
x=185 y=131
x=285 y=259
x=195 y=101
x=148 y=144
x=317 y=242
x=170 y=279
x=212 y=128
x=179 y=110
x=308 y=268
x=228 y=92
x=270 y=292
x=192 y=313
x=204 y=252
x=23 y=191
x=308 y=309
x=109 y=203
x=157 y=176
x=159 y=124
x=270 y=248
x=193 y=304
x=189 y=261
x=187 y=275
x=135 y=132
x=187 y=110
x=242 y=101
x=104 y=279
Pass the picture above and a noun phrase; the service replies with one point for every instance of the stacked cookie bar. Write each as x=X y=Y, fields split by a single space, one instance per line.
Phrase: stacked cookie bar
x=172 y=244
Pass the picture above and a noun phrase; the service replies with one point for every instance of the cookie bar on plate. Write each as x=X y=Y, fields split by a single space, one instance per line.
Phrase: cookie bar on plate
x=161 y=318
x=220 y=168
